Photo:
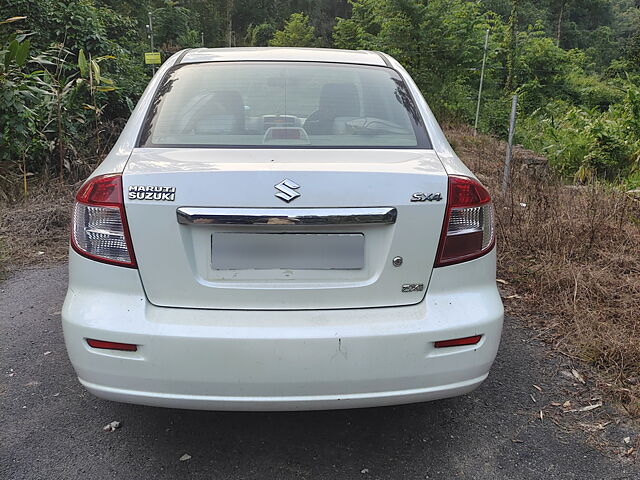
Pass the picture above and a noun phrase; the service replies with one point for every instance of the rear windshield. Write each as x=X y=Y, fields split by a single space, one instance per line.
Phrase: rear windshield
x=262 y=104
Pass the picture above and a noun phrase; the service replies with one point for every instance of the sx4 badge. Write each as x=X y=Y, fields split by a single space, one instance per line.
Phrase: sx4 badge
x=141 y=192
x=424 y=197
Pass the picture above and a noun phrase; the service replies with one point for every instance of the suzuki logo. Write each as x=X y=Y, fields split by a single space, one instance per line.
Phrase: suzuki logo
x=287 y=190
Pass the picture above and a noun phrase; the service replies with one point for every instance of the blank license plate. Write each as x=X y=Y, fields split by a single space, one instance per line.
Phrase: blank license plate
x=295 y=251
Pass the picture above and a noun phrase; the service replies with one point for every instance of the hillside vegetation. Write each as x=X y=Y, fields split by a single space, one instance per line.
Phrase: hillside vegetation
x=72 y=71
x=568 y=262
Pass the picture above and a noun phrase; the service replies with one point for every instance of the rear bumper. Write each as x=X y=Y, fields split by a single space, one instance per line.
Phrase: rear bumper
x=280 y=360
x=303 y=402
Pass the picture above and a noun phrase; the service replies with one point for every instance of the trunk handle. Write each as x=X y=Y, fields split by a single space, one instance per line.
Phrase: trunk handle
x=286 y=216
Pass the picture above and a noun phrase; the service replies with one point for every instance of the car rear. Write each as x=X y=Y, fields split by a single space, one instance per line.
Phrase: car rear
x=283 y=234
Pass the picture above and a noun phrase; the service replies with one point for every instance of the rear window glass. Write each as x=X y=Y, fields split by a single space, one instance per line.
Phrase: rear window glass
x=263 y=104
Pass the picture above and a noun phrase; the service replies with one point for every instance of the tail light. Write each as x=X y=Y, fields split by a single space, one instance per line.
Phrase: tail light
x=124 y=347
x=99 y=227
x=458 y=342
x=468 y=230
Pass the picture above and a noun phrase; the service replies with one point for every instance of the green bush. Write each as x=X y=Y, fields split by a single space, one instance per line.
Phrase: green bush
x=587 y=143
x=57 y=104
x=260 y=35
x=296 y=33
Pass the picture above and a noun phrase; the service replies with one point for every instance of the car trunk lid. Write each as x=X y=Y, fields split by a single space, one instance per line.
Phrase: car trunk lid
x=284 y=228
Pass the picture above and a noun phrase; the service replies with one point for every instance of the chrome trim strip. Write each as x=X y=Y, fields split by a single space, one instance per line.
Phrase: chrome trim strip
x=286 y=216
x=464 y=231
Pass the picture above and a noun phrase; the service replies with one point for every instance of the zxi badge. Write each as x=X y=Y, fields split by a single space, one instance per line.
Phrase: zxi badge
x=412 y=287
x=287 y=190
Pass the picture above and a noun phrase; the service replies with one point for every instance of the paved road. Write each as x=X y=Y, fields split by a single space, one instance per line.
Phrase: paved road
x=51 y=428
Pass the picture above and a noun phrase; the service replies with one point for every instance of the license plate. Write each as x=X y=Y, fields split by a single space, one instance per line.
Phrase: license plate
x=294 y=251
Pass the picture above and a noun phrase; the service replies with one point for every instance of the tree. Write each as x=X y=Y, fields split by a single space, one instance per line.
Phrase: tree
x=260 y=35
x=347 y=34
x=296 y=33
x=190 y=39
x=172 y=22
x=511 y=42
x=440 y=42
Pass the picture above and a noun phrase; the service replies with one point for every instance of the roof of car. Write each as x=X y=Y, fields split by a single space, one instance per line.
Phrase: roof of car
x=235 y=54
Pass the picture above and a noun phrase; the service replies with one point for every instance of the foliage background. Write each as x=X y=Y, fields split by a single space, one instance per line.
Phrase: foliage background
x=575 y=65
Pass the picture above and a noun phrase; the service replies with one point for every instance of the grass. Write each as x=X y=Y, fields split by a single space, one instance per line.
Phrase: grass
x=3 y=260
x=571 y=257
x=35 y=230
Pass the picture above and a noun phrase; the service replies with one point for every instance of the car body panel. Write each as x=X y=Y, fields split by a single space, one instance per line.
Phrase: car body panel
x=319 y=348
x=281 y=360
x=117 y=158
x=279 y=54
x=238 y=178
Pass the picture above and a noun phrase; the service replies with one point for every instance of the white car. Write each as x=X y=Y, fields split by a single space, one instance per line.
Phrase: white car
x=281 y=229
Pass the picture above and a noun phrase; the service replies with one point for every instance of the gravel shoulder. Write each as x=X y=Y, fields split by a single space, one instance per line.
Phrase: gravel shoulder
x=50 y=427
